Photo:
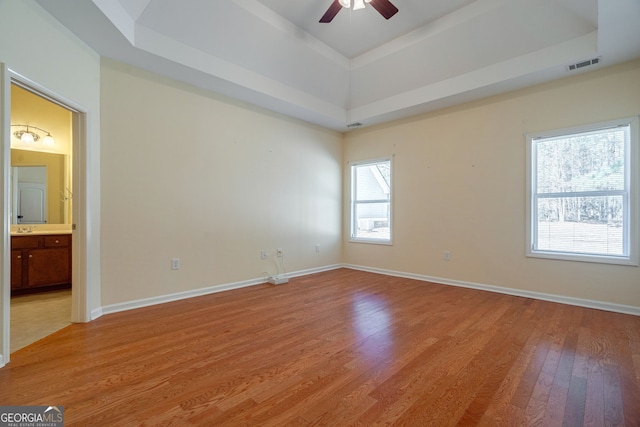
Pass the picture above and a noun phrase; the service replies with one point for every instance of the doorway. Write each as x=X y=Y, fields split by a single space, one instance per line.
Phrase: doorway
x=42 y=286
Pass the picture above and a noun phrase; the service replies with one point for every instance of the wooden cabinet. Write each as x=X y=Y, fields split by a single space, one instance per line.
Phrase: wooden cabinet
x=40 y=260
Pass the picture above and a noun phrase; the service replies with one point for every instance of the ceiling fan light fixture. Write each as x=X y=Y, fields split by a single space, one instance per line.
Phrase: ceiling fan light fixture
x=358 y=4
x=345 y=3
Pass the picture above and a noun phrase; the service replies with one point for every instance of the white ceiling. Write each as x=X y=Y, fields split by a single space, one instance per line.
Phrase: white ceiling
x=360 y=67
x=353 y=33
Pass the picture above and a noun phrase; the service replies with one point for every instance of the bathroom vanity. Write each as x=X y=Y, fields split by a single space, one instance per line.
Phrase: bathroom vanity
x=40 y=261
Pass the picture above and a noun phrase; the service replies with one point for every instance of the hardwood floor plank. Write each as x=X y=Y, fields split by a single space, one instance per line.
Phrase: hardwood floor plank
x=540 y=348
x=540 y=396
x=628 y=342
x=494 y=396
x=613 y=415
x=342 y=347
x=576 y=398
x=556 y=403
x=594 y=402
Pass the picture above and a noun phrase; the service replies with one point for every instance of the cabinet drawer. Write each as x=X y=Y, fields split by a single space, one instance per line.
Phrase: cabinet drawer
x=62 y=240
x=24 y=242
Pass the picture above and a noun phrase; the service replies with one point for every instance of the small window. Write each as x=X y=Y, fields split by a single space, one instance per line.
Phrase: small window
x=371 y=201
x=583 y=193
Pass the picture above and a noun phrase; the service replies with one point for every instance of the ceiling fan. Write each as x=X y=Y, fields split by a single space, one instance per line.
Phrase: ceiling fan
x=384 y=7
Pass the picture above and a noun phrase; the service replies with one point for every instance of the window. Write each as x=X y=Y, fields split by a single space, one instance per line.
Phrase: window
x=371 y=201
x=583 y=193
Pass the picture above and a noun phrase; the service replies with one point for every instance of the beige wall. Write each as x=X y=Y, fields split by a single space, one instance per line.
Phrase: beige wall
x=201 y=178
x=459 y=182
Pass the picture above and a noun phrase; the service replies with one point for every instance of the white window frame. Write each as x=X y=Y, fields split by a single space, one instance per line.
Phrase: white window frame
x=353 y=203
x=632 y=195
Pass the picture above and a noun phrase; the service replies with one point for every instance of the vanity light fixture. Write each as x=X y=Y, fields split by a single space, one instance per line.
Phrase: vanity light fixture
x=28 y=135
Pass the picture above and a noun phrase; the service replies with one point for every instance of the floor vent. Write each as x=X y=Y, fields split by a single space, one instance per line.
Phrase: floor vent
x=583 y=64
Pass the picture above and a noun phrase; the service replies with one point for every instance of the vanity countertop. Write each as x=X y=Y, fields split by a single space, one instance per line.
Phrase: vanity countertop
x=40 y=229
x=39 y=232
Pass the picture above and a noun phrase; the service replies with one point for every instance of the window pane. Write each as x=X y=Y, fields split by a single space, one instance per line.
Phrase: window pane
x=582 y=162
x=372 y=221
x=370 y=204
x=582 y=195
x=372 y=181
x=588 y=225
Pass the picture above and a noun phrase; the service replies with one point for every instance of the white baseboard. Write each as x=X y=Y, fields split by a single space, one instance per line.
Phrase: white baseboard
x=131 y=305
x=146 y=302
x=314 y=270
x=95 y=313
x=600 y=305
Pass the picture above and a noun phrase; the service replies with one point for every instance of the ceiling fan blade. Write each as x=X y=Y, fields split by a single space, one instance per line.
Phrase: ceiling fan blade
x=331 y=12
x=384 y=7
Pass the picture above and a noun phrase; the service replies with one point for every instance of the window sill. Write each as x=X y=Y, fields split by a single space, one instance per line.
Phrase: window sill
x=599 y=259
x=373 y=242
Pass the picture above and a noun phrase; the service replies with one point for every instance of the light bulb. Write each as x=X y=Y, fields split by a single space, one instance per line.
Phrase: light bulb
x=345 y=3
x=27 y=138
x=358 y=4
x=48 y=141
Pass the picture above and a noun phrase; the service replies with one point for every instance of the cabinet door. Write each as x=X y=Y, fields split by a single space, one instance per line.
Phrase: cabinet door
x=49 y=266
x=16 y=269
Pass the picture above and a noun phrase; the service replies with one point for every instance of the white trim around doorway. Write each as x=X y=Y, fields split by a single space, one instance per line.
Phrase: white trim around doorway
x=80 y=294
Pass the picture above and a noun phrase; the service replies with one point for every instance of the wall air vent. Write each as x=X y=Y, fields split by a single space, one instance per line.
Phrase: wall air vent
x=582 y=64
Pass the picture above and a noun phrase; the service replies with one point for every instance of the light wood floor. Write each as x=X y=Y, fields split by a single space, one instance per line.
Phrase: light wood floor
x=339 y=348
x=34 y=316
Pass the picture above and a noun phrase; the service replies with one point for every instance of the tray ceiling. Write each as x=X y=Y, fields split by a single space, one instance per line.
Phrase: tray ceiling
x=360 y=67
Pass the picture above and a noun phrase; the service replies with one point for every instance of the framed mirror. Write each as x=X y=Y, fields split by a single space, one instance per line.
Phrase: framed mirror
x=40 y=190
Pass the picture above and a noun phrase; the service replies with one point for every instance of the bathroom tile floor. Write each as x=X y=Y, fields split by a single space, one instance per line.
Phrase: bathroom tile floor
x=35 y=316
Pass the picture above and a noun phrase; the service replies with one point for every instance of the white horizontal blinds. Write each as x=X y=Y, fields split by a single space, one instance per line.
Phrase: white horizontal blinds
x=371 y=207
x=581 y=192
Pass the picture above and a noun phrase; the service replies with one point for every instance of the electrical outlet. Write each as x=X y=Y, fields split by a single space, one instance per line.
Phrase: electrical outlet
x=447 y=256
x=263 y=254
x=175 y=263
x=317 y=247
x=280 y=253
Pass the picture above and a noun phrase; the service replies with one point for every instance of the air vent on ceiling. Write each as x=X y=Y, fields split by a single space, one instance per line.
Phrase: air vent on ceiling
x=582 y=64
x=354 y=125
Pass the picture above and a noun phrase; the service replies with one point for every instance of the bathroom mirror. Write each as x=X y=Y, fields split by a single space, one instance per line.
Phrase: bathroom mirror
x=47 y=119
x=44 y=182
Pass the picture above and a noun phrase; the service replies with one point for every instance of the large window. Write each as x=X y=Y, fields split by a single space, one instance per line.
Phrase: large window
x=371 y=201
x=583 y=193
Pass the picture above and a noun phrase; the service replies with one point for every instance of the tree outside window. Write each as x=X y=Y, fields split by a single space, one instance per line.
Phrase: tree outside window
x=581 y=193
